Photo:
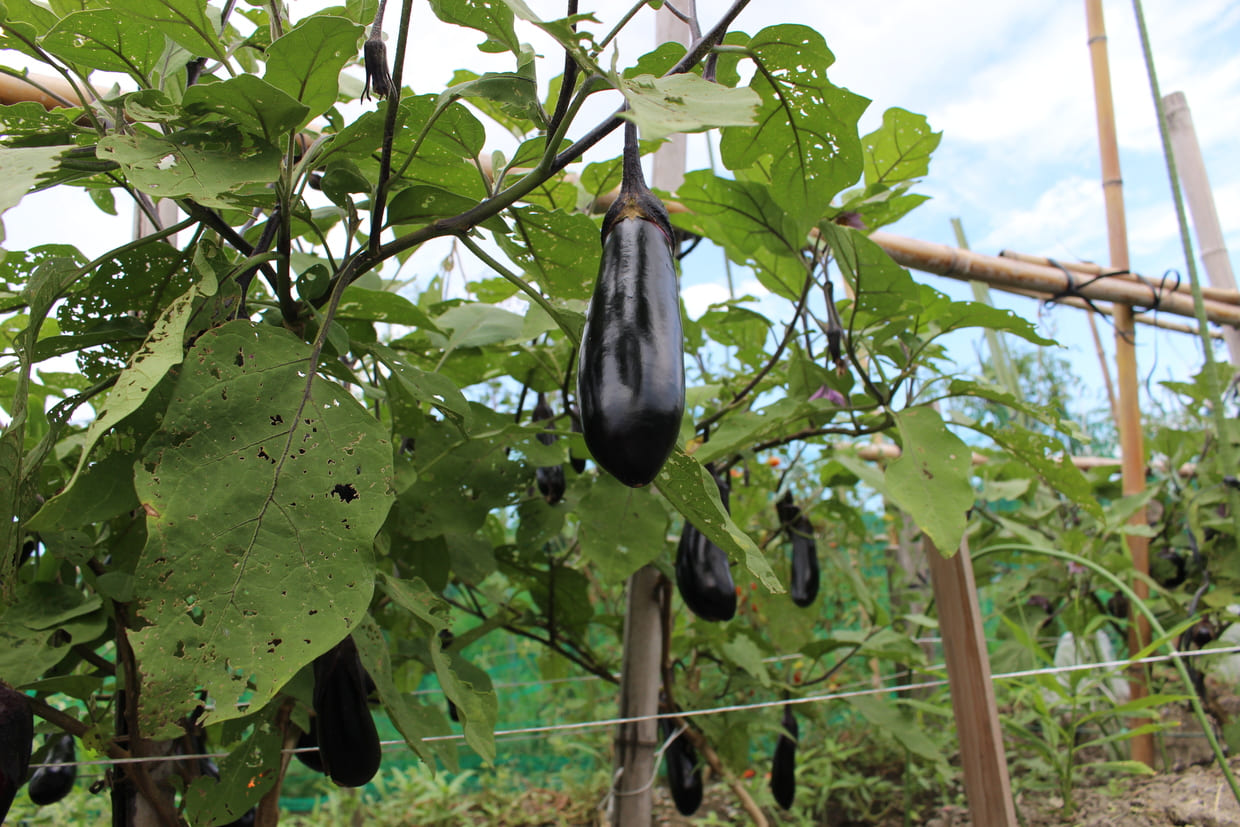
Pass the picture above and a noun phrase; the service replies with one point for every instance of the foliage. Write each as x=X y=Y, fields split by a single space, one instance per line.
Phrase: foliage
x=274 y=438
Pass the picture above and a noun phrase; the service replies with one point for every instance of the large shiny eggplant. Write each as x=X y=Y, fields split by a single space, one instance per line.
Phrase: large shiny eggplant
x=53 y=781
x=348 y=741
x=684 y=776
x=631 y=373
x=550 y=478
x=16 y=744
x=784 y=764
x=703 y=575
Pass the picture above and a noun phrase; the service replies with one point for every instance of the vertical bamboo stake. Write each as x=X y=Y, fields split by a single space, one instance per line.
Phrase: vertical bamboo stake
x=982 y=758
x=1131 y=438
x=637 y=742
x=1192 y=169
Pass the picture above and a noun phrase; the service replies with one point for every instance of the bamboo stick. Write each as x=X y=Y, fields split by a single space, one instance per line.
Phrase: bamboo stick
x=1047 y=281
x=1219 y=293
x=1106 y=309
x=16 y=90
x=1192 y=173
x=1131 y=438
x=874 y=452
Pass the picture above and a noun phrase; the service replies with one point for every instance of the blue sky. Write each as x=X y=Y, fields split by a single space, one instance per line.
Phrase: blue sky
x=1009 y=85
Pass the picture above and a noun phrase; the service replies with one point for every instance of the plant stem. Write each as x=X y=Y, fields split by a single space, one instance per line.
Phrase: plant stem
x=389 y=127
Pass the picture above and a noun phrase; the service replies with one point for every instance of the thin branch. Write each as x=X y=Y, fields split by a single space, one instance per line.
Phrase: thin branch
x=389 y=129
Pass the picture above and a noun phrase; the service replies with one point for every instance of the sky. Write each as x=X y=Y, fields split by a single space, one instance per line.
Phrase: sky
x=1009 y=85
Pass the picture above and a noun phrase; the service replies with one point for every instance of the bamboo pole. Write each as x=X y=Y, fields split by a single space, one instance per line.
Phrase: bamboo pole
x=1219 y=293
x=880 y=451
x=1192 y=171
x=1107 y=309
x=1131 y=438
x=1007 y=273
x=51 y=92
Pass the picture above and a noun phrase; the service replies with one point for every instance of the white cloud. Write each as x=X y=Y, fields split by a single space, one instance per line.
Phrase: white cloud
x=1065 y=221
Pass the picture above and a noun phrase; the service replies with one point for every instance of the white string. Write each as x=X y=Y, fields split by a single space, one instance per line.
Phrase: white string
x=805 y=699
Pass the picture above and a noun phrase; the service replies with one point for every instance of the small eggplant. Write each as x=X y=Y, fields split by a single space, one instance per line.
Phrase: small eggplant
x=631 y=372
x=550 y=478
x=16 y=744
x=53 y=781
x=703 y=576
x=684 y=776
x=348 y=741
x=784 y=764
x=805 y=573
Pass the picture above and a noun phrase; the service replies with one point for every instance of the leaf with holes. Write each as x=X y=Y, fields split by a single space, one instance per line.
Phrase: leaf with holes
x=99 y=39
x=188 y=23
x=264 y=490
x=899 y=150
x=806 y=126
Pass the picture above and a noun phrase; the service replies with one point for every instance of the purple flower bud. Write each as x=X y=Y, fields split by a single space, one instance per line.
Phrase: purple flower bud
x=831 y=395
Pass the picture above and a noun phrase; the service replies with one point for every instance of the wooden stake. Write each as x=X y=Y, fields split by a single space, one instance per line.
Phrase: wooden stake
x=1192 y=173
x=982 y=758
x=1131 y=438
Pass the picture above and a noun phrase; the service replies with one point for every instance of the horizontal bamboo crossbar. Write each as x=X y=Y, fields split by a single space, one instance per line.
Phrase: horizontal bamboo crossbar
x=1090 y=269
x=874 y=452
x=1008 y=273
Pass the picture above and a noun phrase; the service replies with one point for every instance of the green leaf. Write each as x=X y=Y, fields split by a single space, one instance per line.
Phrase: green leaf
x=806 y=126
x=661 y=106
x=622 y=529
x=432 y=388
x=20 y=169
x=108 y=41
x=250 y=103
x=101 y=491
x=477 y=325
x=306 y=62
x=491 y=17
x=930 y=479
x=264 y=490
x=745 y=653
x=515 y=93
x=213 y=166
x=415 y=721
x=381 y=306
x=899 y=725
x=161 y=351
x=1047 y=457
x=560 y=250
x=246 y=774
x=466 y=685
x=188 y=23
x=420 y=204
x=692 y=491
x=899 y=150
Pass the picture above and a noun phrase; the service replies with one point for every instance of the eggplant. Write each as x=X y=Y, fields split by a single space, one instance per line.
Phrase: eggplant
x=348 y=741
x=550 y=478
x=16 y=744
x=784 y=764
x=53 y=781
x=805 y=571
x=684 y=776
x=703 y=575
x=1169 y=568
x=631 y=372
